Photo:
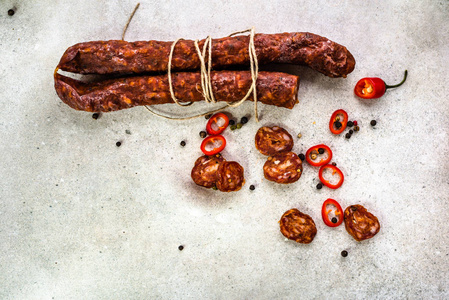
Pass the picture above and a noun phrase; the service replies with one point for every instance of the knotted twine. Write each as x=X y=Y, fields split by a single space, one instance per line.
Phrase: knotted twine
x=205 y=72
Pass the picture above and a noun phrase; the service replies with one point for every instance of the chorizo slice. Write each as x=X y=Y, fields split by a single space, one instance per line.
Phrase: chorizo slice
x=122 y=57
x=285 y=167
x=273 y=88
x=204 y=172
x=271 y=140
x=360 y=223
x=298 y=226
x=230 y=176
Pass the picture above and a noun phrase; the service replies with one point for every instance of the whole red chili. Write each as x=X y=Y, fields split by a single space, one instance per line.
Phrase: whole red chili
x=213 y=144
x=338 y=122
x=217 y=123
x=374 y=87
x=337 y=213
x=314 y=153
x=334 y=170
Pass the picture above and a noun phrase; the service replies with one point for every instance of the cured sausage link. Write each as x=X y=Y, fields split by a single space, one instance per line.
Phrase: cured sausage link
x=121 y=57
x=273 y=88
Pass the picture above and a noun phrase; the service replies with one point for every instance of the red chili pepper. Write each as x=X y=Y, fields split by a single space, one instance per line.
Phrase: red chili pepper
x=213 y=144
x=326 y=213
x=335 y=170
x=337 y=128
x=217 y=124
x=374 y=87
x=315 y=152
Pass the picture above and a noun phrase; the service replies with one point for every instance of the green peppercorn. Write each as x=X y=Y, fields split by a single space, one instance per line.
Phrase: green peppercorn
x=344 y=253
x=183 y=143
x=373 y=122
x=356 y=128
x=350 y=124
x=302 y=156
x=319 y=186
x=231 y=122
x=203 y=134
x=214 y=188
x=233 y=127
x=239 y=125
x=320 y=150
x=244 y=120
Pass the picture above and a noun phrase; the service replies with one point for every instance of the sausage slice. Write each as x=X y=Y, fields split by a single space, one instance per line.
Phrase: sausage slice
x=230 y=176
x=271 y=140
x=298 y=226
x=204 y=172
x=360 y=223
x=283 y=168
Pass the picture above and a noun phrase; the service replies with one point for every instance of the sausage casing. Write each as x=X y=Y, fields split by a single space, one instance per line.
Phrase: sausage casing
x=298 y=226
x=121 y=57
x=273 y=88
x=360 y=223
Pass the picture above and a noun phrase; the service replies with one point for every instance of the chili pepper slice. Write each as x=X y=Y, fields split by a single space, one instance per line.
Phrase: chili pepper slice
x=334 y=170
x=338 y=122
x=217 y=124
x=374 y=87
x=213 y=144
x=329 y=214
x=314 y=153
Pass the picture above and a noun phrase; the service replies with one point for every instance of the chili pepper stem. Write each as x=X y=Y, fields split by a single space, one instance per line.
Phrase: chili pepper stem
x=399 y=84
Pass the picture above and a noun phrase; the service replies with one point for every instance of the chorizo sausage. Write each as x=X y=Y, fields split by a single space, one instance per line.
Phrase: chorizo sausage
x=121 y=57
x=230 y=176
x=298 y=226
x=204 y=172
x=285 y=167
x=271 y=140
x=273 y=88
x=360 y=223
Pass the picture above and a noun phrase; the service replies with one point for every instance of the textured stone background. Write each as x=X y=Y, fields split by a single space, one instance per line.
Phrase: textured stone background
x=83 y=219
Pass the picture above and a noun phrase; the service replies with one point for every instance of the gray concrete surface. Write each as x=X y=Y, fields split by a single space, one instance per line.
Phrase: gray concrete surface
x=83 y=219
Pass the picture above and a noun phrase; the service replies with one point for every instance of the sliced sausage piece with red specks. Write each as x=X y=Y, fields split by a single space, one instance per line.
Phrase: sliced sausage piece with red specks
x=230 y=176
x=285 y=167
x=272 y=140
x=204 y=172
x=298 y=226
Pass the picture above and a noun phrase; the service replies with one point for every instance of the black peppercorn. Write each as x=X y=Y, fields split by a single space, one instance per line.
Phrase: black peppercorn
x=231 y=122
x=337 y=124
x=319 y=186
x=183 y=143
x=181 y=247
x=334 y=220
x=350 y=124
x=351 y=131
x=373 y=122
x=302 y=156
x=95 y=116
x=320 y=150
x=348 y=136
x=334 y=164
x=344 y=253
x=244 y=120
x=11 y=12
x=203 y=134
x=118 y=144
x=207 y=117
x=252 y=187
